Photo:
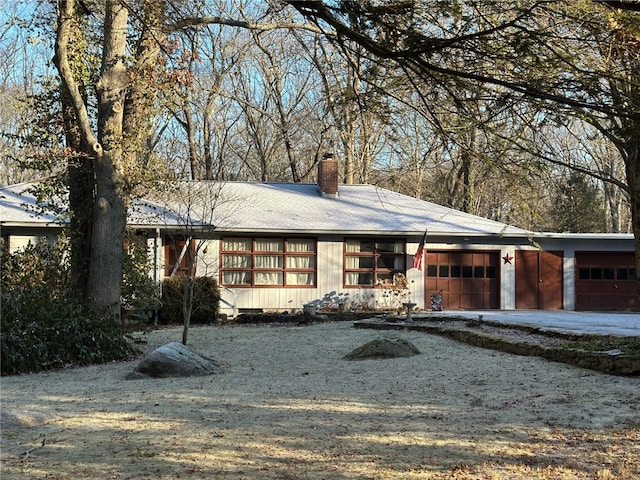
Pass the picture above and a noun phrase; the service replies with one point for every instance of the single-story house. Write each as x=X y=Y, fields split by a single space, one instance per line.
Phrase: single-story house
x=280 y=246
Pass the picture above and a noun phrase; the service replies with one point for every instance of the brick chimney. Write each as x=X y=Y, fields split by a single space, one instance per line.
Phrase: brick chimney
x=328 y=175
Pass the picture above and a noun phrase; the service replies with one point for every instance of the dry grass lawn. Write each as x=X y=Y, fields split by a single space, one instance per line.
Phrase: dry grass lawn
x=289 y=407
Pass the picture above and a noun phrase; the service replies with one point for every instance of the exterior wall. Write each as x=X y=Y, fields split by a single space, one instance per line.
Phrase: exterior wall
x=18 y=239
x=329 y=288
x=330 y=256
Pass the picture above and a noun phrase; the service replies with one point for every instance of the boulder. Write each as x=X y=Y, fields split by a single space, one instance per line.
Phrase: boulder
x=384 y=347
x=174 y=360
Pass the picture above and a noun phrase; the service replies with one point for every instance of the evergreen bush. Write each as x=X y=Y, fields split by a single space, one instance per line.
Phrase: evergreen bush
x=206 y=299
x=43 y=326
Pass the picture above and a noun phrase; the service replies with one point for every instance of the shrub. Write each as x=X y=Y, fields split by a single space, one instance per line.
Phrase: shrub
x=206 y=299
x=43 y=327
x=140 y=293
x=40 y=333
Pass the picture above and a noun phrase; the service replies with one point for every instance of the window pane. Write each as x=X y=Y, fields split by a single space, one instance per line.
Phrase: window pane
x=353 y=278
x=351 y=262
x=268 y=278
x=596 y=273
x=384 y=279
x=236 y=261
x=583 y=274
x=269 y=261
x=390 y=262
x=467 y=271
x=432 y=271
x=269 y=245
x=607 y=273
x=632 y=274
x=236 y=278
x=359 y=262
x=298 y=245
x=444 y=271
x=299 y=261
x=236 y=244
x=360 y=246
x=455 y=271
x=390 y=247
x=622 y=274
x=478 y=272
x=300 y=278
x=491 y=272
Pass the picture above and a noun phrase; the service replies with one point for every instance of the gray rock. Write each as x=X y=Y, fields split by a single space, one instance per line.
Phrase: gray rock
x=174 y=360
x=13 y=419
x=384 y=348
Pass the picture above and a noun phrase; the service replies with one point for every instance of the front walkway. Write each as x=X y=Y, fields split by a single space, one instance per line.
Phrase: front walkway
x=627 y=324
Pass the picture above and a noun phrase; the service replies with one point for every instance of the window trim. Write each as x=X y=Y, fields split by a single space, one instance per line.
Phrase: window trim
x=283 y=270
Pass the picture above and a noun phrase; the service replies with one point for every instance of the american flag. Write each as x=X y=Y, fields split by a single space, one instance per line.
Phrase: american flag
x=417 y=258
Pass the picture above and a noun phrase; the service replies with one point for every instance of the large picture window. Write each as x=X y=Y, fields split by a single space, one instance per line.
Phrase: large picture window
x=263 y=262
x=373 y=262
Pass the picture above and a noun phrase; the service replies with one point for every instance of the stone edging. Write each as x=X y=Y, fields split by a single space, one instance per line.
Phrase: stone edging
x=619 y=364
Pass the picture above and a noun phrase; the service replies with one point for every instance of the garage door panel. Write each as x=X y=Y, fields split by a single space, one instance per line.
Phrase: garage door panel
x=605 y=281
x=468 y=280
x=539 y=279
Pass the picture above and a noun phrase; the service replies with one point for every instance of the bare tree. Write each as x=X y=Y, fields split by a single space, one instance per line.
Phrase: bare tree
x=192 y=212
x=565 y=59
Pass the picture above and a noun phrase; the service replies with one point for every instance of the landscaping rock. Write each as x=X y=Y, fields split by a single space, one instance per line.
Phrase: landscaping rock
x=174 y=360
x=384 y=347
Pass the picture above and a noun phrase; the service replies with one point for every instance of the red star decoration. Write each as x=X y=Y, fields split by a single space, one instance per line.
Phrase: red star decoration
x=507 y=259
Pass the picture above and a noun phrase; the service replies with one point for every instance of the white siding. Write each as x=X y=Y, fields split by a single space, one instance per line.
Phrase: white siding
x=20 y=242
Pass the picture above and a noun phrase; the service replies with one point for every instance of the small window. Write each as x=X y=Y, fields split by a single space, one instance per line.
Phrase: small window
x=478 y=272
x=444 y=271
x=432 y=271
x=456 y=271
x=607 y=273
x=596 y=273
x=583 y=274
x=622 y=274
x=467 y=271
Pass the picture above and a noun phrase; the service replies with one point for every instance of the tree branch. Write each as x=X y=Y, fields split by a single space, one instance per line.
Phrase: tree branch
x=66 y=17
x=263 y=27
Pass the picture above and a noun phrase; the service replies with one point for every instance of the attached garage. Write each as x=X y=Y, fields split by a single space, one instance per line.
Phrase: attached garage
x=606 y=281
x=467 y=279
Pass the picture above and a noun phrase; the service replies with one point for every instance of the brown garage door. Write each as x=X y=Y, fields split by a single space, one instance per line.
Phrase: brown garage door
x=606 y=281
x=468 y=280
x=539 y=280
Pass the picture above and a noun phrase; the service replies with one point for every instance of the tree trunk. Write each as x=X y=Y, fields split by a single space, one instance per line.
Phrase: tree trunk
x=107 y=252
x=188 y=291
x=633 y=182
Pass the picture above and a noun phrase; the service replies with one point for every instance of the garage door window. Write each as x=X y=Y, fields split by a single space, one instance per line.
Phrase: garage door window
x=461 y=271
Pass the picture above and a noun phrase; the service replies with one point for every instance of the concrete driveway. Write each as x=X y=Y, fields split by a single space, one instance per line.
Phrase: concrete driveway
x=627 y=324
